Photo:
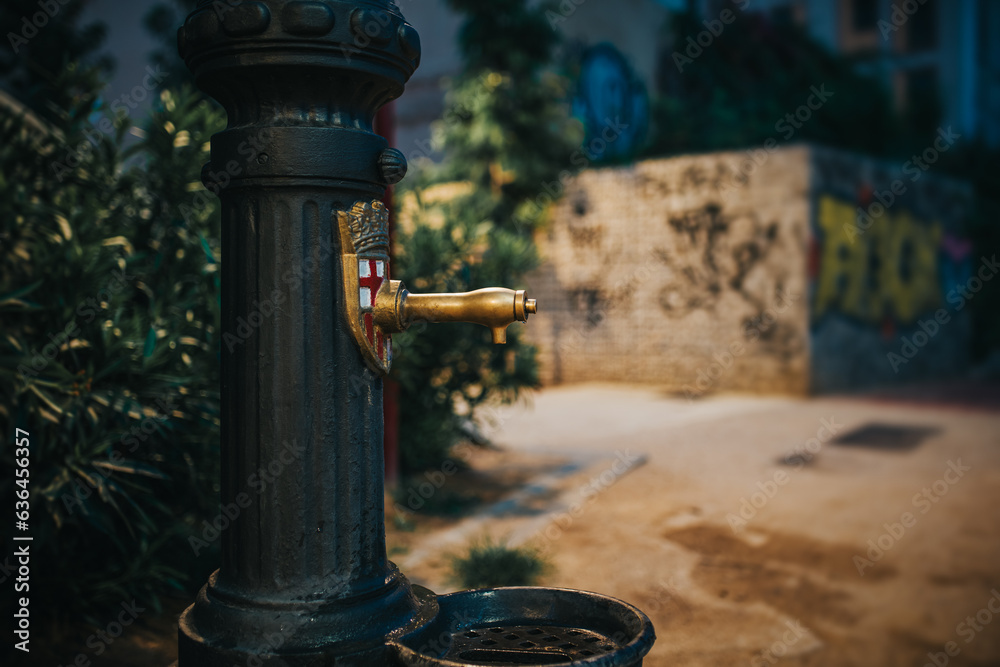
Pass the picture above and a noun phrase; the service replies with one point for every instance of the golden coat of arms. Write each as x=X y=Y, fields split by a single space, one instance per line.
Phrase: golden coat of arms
x=364 y=237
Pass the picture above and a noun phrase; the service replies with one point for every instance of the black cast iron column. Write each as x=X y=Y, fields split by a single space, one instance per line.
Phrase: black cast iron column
x=304 y=577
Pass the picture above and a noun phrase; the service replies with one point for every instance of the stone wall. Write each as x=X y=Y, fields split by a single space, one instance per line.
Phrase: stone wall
x=705 y=273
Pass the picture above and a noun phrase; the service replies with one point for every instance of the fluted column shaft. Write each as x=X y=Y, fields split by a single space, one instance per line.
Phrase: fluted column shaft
x=304 y=578
x=302 y=414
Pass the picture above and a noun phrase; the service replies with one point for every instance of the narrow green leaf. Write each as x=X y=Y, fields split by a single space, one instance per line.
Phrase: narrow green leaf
x=18 y=293
x=208 y=250
x=132 y=467
x=147 y=350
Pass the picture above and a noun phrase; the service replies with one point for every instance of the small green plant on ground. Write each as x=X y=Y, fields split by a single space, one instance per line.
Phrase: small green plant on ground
x=488 y=563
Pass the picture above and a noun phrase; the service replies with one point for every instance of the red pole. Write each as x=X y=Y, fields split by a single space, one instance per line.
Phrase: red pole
x=385 y=125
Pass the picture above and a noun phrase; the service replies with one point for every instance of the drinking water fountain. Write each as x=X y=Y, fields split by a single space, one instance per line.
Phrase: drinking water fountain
x=305 y=580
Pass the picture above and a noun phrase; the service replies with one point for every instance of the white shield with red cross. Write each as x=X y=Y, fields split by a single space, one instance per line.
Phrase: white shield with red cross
x=372 y=274
x=364 y=240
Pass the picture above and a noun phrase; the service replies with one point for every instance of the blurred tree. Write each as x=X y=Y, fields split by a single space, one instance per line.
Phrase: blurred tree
x=109 y=298
x=51 y=61
x=507 y=139
x=737 y=91
x=162 y=21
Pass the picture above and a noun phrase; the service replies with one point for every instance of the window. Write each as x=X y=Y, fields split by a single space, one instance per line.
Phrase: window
x=864 y=15
x=859 y=25
x=922 y=28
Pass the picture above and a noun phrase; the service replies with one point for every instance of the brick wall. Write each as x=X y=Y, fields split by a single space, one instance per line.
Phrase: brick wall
x=674 y=272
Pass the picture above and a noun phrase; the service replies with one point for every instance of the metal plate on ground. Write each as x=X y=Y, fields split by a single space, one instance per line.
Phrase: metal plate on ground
x=886 y=436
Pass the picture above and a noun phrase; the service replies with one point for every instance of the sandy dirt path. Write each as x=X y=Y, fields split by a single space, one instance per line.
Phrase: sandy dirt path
x=742 y=554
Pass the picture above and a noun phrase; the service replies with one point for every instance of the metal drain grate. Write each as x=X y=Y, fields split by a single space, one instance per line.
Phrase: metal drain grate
x=526 y=645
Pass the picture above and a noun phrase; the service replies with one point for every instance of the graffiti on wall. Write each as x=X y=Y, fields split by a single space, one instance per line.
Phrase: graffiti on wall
x=886 y=247
x=718 y=252
x=889 y=270
x=710 y=249
x=713 y=251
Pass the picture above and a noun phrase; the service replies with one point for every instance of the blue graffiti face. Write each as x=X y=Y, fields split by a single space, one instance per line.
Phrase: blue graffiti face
x=612 y=104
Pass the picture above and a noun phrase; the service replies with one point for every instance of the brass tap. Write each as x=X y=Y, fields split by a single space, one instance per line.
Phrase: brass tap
x=375 y=307
x=494 y=307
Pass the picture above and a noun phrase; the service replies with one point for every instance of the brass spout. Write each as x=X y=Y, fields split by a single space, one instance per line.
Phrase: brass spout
x=494 y=307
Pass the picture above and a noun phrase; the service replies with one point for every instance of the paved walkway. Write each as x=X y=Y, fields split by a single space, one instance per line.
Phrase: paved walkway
x=750 y=536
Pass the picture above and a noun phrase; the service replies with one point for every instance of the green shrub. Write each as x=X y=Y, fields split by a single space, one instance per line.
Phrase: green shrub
x=737 y=93
x=488 y=564
x=109 y=297
x=506 y=134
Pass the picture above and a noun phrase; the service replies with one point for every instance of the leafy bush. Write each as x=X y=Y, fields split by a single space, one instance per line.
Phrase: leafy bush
x=755 y=72
x=109 y=296
x=42 y=66
x=506 y=135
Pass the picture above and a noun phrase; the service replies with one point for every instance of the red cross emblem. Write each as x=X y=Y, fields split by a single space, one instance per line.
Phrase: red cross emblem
x=371 y=275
